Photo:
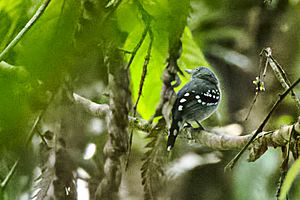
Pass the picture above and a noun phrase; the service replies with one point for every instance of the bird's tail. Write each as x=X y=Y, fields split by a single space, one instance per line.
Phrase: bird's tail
x=173 y=132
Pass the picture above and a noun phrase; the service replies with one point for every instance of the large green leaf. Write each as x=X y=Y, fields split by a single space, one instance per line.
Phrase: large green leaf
x=168 y=17
x=289 y=179
x=13 y=15
x=192 y=55
x=45 y=49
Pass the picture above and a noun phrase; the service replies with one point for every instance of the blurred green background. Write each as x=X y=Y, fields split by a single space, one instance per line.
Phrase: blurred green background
x=66 y=47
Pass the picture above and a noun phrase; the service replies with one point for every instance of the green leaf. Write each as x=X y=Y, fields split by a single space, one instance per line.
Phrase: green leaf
x=191 y=56
x=172 y=21
x=152 y=86
x=13 y=14
x=289 y=179
x=45 y=49
x=14 y=108
x=179 y=11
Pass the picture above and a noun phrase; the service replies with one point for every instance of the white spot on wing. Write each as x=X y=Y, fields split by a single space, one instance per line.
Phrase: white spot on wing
x=179 y=123
x=175 y=132
x=197 y=97
x=199 y=101
x=169 y=148
x=180 y=108
x=187 y=94
x=182 y=100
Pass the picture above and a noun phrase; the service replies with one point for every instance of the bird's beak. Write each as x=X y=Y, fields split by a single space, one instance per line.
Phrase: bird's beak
x=189 y=71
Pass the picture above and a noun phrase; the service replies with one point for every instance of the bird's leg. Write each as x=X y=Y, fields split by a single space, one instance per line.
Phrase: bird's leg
x=200 y=126
x=188 y=125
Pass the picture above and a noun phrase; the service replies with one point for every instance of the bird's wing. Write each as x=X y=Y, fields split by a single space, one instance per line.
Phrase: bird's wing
x=195 y=96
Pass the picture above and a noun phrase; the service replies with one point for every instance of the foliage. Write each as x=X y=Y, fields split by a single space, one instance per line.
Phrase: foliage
x=290 y=177
x=74 y=44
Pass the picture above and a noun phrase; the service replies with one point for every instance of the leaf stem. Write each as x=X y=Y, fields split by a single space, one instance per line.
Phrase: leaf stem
x=29 y=24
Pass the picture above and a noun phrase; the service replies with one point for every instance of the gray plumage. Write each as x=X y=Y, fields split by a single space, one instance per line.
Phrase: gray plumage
x=196 y=101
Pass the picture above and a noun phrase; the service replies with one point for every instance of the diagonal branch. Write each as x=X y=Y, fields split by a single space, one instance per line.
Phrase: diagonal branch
x=231 y=164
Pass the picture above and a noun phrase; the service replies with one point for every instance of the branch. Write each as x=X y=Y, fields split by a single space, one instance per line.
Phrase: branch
x=231 y=164
x=116 y=147
x=97 y=110
x=223 y=139
x=29 y=24
x=280 y=74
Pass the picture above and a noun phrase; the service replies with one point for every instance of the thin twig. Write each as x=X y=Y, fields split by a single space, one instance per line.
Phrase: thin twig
x=147 y=21
x=9 y=175
x=42 y=137
x=14 y=167
x=258 y=82
x=252 y=104
x=280 y=74
x=144 y=73
x=231 y=164
x=138 y=45
x=29 y=24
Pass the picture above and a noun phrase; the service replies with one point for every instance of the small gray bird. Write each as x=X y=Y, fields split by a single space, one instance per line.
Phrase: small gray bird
x=196 y=101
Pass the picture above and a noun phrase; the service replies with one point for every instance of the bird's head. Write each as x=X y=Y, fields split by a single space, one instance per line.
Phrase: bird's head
x=203 y=73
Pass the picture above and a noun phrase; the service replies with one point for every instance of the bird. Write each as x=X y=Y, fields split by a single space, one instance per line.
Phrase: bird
x=195 y=101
